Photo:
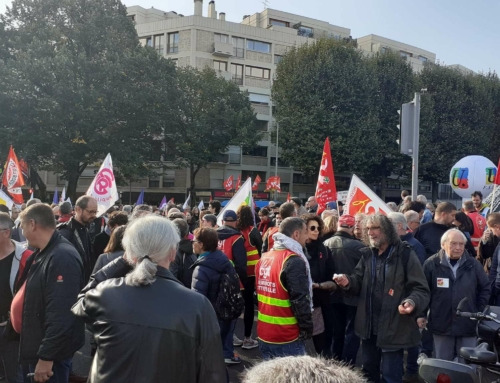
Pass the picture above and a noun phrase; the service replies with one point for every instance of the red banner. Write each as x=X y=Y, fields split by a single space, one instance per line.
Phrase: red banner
x=256 y=183
x=497 y=177
x=326 y=190
x=230 y=194
x=238 y=183
x=273 y=184
x=13 y=177
x=228 y=184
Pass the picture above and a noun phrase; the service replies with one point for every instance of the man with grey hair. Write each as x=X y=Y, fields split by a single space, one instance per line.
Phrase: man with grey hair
x=13 y=257
x=65 y=212
x=171 y=335
x=453 y=275
x=392 y=206
x=76 y=231
x=284 y=291
x=46 y=291
x=392 y=288
x=127 y=209
x=401 y=225
x=412 y=219
x=301 y=369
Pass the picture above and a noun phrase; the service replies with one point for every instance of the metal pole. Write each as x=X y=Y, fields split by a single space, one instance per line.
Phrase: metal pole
x=277 y=147
x=416 y=134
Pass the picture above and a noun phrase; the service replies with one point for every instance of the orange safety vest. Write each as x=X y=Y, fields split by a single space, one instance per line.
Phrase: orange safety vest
x=479 y=227
x=275 y=321
x=270 y=240
x=252 y=252
x=226 y=246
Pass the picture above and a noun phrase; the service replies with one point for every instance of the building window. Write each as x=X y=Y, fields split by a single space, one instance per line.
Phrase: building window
x=149 y=42
x=405 y=54
x=279 y=23
x=173 y=42
x=277 y=59
x=305 y=31
x=131 y=17
x=220 y=38
x=220 y=65
x=158 y=44
x=280 y=163
x=258 y=46
x=262 y=73
x=237 y=73
x=423 y=59
x=154 y=183
x=258 y=151
x=238 y=47
x=303 y=179
x=168 y=179
x=261 y=126
x=384 y=49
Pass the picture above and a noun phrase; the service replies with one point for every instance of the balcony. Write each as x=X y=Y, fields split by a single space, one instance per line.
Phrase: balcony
x=223 y=49
x=225 y=75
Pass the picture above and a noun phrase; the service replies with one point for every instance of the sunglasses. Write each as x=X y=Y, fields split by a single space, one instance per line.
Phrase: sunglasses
x=314 y=228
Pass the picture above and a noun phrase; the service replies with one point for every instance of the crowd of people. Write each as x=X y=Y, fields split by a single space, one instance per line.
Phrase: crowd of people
x=160 y=290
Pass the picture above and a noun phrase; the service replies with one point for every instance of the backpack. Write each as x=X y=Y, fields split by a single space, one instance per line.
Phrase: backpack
x=229 y=303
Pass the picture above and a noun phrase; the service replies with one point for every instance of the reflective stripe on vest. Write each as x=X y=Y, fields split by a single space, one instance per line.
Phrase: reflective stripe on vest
x=276 y=322
x=252 y=252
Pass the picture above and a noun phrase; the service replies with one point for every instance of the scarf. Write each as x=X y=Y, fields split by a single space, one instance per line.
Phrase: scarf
x=282 y=241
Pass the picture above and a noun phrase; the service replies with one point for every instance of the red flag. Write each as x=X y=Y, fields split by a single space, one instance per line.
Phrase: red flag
x=256 y=183
x=238 y=183
x=171 y=200
x=228 y=184
x=273 y=184
x=13 y=177
x=361 y=199
x=497 y=177
x=288 y=198
x=326 y=190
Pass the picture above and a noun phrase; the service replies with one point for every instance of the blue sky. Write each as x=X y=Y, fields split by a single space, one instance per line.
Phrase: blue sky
x=458 y=31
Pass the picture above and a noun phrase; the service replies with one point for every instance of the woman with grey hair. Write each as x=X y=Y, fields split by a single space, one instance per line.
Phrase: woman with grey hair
x=147 y=326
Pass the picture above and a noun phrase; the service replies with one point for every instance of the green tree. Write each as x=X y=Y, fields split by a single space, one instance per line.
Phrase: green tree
x=78 y=86
x=326 y=89
x=214 y=114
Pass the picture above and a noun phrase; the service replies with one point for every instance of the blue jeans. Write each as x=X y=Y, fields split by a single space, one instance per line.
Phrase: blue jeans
x=376 y=359
x=270 y=350
x=61 y=370
x=427 y=343
x=226 y=335
x=411 y=360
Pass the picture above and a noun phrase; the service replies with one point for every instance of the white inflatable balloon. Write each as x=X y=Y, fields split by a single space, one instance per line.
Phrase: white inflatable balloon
x=473 y=173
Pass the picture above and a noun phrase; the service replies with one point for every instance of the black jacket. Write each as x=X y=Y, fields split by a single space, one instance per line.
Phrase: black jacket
x=106 y=258
x=322 y=269
x=54 y=277
x=101 y=240
x=429 y=234
x=78 y=235
x=395 y=331
x=471 y=282
x=148 y=334
x=207 y=271
x=184 y=259
x=346 y=252
x=238 y=249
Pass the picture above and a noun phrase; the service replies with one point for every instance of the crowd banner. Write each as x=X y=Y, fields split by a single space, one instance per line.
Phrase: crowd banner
x=361 y=199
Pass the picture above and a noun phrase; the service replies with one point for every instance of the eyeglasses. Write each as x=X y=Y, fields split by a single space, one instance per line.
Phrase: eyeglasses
x=91 y=211
x=372 y=228
x=314 y=228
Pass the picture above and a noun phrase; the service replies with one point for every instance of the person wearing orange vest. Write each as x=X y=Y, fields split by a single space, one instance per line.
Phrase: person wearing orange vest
x=286 y=210
x=232 y=243
x=253 y=246
x=284 y=288
x=479 y=223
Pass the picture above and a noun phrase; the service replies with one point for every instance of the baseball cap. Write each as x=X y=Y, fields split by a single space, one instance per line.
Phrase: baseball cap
x=229 y=216
x=332 y=205
x=347 y=221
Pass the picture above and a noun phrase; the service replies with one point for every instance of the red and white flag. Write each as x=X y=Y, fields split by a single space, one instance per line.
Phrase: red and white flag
x=361 y=199
x=13 y=177
x=256 y=183
x=326 y=190
x=273 y=184
x=238 y=183
x=497 y=177
x=103 y=187
x=228 y=184
x=288 y=198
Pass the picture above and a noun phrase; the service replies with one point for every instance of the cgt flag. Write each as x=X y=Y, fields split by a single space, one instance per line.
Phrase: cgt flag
x=238 y=182
x=13 y=177
x=361 y=199
x=103 y=187
x=326 y=190
x=256 y=183
x=273 y=184
x=228 y=184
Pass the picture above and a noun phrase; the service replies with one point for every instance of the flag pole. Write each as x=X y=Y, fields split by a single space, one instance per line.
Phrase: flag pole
x=493 y=198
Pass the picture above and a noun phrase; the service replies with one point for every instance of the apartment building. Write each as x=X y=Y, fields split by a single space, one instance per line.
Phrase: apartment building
x=246 y=53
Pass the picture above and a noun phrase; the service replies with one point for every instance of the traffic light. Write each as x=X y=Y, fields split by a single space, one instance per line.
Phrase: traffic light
x=406 y=128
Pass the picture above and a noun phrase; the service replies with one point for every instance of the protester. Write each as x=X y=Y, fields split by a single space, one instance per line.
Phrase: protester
x=360 y=229
x=171 y=334
x=209 y=220
x=300 y=210
x=453 y=275
x=13 y=257
x=478 y=221
x=412 y=219
x=181 y=267
x=265 y=221
x=127 y=209
x=253 y=246
x=481 y=208
x=346 y=252
x=113 y=250
x=232 y=243
x=191 y=221
x=65 y=212
x=287 y=210
x=41 y=308
x=405 y=205
x=392 y=206
x=196 y=213
x=76 y=231
x=463 y=223
x=214 y=207
x=340 y=208
x=322 y=270
x=301 y=369
x=390 y=277
x=101 y=240
x=493 y=235
x=427 y=215
x=313 y=205
x=400 y=225
x=283 y=276
x=330 y=227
